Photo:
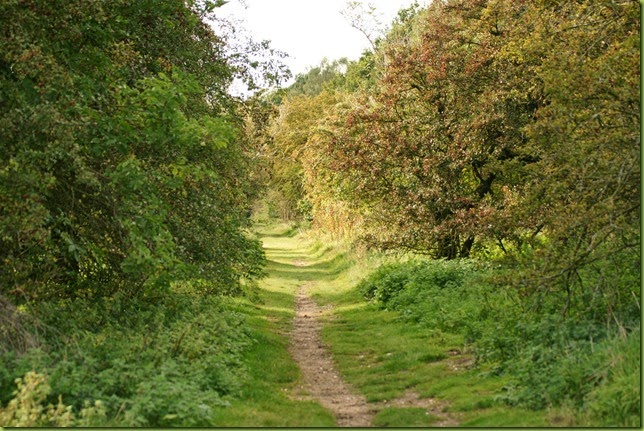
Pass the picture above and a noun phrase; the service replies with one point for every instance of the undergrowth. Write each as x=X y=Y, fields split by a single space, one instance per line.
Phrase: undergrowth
x=574 y=363
x=149 y=363
x=446 y=329
x=179 y=359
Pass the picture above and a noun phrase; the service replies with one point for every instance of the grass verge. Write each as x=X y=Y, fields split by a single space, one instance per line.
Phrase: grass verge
x=270 y=396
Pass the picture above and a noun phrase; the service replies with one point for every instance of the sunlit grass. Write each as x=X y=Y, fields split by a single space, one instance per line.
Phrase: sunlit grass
x=384 y=357
x=376 y=351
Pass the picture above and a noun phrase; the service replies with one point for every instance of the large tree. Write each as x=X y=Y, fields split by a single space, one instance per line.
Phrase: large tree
x=120 y=165
x=428 y=146
x=444 y=148
x=510 y=123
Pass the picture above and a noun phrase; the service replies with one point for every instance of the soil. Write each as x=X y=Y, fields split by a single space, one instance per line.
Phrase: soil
x=322 y=379
x=323 y=382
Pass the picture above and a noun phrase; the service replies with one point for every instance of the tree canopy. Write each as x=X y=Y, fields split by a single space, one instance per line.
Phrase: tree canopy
x=122 y=165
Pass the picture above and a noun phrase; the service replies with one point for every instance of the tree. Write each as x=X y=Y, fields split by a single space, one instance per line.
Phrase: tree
x=508 y=123
x=121 y=165
x=291 y=132
x=328 y=75
x=588 y=140
x=426 y=147
x=364 y=18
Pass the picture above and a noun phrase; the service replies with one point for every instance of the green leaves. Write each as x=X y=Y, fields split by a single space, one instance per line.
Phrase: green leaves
x=121 y=162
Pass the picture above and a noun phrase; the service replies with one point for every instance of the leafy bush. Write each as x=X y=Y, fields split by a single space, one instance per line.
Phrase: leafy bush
x=552 y=359
x=599 y=380
x=122 y=165
x=170 y=396
x=165 y=362
x=445 y=295
x=385 y=282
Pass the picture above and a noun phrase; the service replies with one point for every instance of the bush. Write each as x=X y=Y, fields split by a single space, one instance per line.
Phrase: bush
x=165 y=363
x=385 y=282
x=444 y=295
x=552 y=360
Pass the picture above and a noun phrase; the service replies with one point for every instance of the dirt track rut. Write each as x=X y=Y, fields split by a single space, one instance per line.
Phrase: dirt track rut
x=323 y=381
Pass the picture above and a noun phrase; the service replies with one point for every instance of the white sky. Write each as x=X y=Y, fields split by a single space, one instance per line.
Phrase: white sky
x=308 y=30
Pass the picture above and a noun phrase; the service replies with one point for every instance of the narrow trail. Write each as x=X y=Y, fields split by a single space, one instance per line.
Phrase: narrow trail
x=323 y=381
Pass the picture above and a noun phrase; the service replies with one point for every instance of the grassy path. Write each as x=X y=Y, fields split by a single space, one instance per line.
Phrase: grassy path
x=325 y=357
x=321 y=275
x=323 y=381
x=299 y=271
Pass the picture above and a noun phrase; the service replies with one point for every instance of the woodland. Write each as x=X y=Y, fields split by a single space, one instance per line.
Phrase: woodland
x=485 y=153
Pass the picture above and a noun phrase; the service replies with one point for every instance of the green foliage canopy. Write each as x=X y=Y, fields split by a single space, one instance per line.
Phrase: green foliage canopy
x=121 y=165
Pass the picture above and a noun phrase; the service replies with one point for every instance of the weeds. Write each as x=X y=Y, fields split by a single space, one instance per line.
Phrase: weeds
x=166 y=365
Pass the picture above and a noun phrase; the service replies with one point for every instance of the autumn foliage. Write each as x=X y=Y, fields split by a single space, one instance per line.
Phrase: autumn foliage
x=504 y=127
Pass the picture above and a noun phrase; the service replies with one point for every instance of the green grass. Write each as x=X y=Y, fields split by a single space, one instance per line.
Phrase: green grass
x=270 y=396
x=384 y=357
x=379 y=353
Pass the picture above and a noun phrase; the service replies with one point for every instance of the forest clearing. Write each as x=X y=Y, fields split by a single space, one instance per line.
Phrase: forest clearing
x=444 y=232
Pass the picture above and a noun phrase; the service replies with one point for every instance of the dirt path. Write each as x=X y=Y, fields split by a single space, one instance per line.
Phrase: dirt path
x=323 y=381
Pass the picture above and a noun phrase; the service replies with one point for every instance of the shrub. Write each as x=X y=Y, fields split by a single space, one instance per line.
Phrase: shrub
x=162 y=362
x=385 y=282
x=27 y=408
x=445 y=295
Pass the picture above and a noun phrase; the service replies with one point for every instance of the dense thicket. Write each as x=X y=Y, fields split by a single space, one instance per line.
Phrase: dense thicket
x=121 y=167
